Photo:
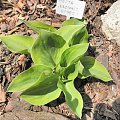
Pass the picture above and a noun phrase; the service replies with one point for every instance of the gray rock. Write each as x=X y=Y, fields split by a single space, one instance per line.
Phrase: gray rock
x=111 y=22
x=18 y=109
x=103 y=59
x=29 y=115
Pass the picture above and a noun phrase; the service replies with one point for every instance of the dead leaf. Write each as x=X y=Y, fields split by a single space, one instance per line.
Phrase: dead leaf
x=1 y=20
x=56 y=24
x=21 y=59
x=110 y=52
x=100 y=96
x=20 y=4
x=8 y=73
x=2 y=94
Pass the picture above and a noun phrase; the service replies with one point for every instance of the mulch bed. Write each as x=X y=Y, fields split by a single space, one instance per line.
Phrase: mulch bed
x=102 y=100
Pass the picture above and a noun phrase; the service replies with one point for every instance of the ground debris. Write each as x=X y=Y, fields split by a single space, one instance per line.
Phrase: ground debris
x=2 y=94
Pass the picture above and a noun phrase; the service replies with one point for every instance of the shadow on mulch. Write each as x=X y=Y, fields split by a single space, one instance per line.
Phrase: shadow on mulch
x=106 y=112
x=102 y=110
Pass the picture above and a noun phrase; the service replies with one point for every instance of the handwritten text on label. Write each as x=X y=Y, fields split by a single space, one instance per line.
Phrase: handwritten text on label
x=70 y=8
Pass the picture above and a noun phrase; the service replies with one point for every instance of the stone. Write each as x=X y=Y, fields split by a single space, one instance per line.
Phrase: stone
x=111 y=22
x=116 y=105
x=4 y=27
x=103 y=59
x=2 y=94
x=29 y=115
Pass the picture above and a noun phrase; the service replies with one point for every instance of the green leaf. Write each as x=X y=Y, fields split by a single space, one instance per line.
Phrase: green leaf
x=68 y=32
x=70 y=54
x=80 y=68
x=72 y=96
x=81 y=36
x=27 y=78
x=37 y=26
x=47 y=49
x=71 y=72
x=74 y=21
x=93 y=68
x=44 y=91
x=18 y=43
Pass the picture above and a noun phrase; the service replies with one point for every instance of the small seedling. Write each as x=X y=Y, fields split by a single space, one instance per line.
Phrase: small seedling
x=59 y=56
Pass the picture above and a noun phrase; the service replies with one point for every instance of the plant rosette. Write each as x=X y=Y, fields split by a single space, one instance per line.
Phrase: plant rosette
x=59 y=56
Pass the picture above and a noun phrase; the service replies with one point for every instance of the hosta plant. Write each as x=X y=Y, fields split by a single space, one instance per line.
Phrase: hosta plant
x=59 y=56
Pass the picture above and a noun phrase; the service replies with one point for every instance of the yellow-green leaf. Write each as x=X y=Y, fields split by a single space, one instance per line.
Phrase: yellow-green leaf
x=37 y=26
x=44 y=91
x=91 y=67
x=71 y=72
x=72 y=97
x=47 y=49
x=72 y=53
x=27 y=78
x=74 y=21
x=18 y=43
x=69 y=32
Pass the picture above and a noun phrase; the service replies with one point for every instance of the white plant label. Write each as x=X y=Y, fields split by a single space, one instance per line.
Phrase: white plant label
x=71 y=8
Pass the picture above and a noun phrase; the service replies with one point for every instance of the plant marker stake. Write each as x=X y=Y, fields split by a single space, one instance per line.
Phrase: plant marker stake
x=67 y=18
x=70 y=8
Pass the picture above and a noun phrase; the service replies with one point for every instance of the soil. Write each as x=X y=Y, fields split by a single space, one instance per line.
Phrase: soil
x=101 y=100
